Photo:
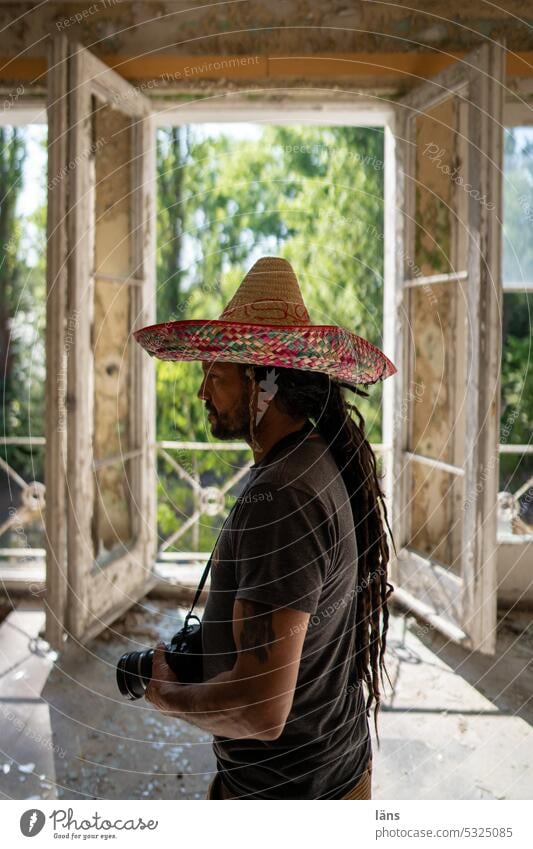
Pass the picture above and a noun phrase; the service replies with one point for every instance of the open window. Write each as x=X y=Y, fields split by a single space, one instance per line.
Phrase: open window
x=446 y=320
x=442 y=329
x=100 y=280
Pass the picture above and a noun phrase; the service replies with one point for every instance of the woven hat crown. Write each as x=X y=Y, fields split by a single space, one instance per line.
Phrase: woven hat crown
x=269 y=294
x=266 y=322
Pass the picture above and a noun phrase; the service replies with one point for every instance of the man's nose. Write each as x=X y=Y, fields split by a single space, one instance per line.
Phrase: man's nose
x=201 y=394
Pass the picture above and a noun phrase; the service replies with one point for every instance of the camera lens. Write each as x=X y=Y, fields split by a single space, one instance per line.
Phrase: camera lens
x=134 y=671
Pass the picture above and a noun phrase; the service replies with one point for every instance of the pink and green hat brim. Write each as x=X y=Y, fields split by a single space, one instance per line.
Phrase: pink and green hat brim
x=326 y=348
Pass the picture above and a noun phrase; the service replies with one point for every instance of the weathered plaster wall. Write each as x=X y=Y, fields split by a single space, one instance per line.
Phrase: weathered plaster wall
x=291 y=25
x=111 y=332
x=291 y=28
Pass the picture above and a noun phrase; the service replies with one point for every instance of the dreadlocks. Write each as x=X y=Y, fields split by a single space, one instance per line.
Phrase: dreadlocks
x=316 y=396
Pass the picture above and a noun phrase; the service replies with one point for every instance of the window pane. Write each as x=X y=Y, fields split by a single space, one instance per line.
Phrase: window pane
x=516 y=420
x=114 y=401
x=113 y=385
x=436 y=159
x=437 y=510
x=112 y=514
x=437 y=318
x=518 y=205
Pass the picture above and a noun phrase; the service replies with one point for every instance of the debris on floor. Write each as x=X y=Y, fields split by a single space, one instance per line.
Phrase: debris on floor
x=116 y=748
x=455 y=725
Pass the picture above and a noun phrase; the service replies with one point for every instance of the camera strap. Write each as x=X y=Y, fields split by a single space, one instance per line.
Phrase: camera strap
x=205 y=573
x=200 y=586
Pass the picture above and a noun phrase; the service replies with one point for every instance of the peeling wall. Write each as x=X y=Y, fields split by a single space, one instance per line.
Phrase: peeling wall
x=344 y=26
x=437 y=321
x=112 y=321
x=434 y=309
x=290 y=28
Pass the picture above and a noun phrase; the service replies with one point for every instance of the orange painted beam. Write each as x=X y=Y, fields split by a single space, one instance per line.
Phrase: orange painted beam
x=360 y=65
x=280 y=67
x=13 y=68
x=177 y=68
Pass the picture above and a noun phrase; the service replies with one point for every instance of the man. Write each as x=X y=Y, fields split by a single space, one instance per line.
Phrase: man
x=289 y=629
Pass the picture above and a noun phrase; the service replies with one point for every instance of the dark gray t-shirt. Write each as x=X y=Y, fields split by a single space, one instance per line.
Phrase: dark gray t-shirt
x=289 y=541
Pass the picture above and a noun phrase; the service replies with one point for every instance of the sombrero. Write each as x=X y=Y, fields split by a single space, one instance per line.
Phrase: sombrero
x=267 y=323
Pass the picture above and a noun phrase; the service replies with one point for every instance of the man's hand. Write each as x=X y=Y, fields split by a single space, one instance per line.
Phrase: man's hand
x=254 y=698
x=162 y=679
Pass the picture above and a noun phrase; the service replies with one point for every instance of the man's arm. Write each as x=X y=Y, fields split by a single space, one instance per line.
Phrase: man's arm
x=255 y=697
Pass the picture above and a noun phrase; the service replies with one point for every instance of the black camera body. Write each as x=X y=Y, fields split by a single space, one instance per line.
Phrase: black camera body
x=183 y=655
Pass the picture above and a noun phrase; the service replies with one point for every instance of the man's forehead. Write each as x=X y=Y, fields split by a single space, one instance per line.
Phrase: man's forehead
x=213 y=366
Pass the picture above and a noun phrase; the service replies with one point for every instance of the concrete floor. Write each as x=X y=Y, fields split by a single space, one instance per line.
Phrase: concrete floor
x=455 y=726
x=458 y=725
x=122 y=749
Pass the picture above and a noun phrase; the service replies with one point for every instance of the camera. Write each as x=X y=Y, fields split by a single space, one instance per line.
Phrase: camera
x=183 y=655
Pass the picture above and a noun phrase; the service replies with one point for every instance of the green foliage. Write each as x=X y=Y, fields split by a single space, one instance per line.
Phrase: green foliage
x=22 y=308
x=518 y=208
x=311 y=194
x=171 y=156
x=516 y=389
x=517 y=372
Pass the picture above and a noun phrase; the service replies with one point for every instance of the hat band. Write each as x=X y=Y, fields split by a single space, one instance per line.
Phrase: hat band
x=268 y=311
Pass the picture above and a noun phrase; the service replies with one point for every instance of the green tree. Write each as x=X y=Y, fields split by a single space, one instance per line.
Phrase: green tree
x=171 y=146
x=22 y=307
x=12 y=155
x=517 y=373
x=311 y=194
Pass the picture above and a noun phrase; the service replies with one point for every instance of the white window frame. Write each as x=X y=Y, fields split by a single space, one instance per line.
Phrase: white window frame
x=83 y=595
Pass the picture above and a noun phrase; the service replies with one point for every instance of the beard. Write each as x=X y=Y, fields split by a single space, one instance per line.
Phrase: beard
x=233 y=424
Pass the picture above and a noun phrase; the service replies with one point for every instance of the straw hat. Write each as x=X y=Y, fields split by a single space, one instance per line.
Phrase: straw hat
x=267 y=323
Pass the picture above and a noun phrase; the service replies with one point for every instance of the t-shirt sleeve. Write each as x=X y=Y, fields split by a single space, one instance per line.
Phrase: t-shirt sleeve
x=282 y=548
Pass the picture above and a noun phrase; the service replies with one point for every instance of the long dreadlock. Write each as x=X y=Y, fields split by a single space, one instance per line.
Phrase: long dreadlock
x=314 y=395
